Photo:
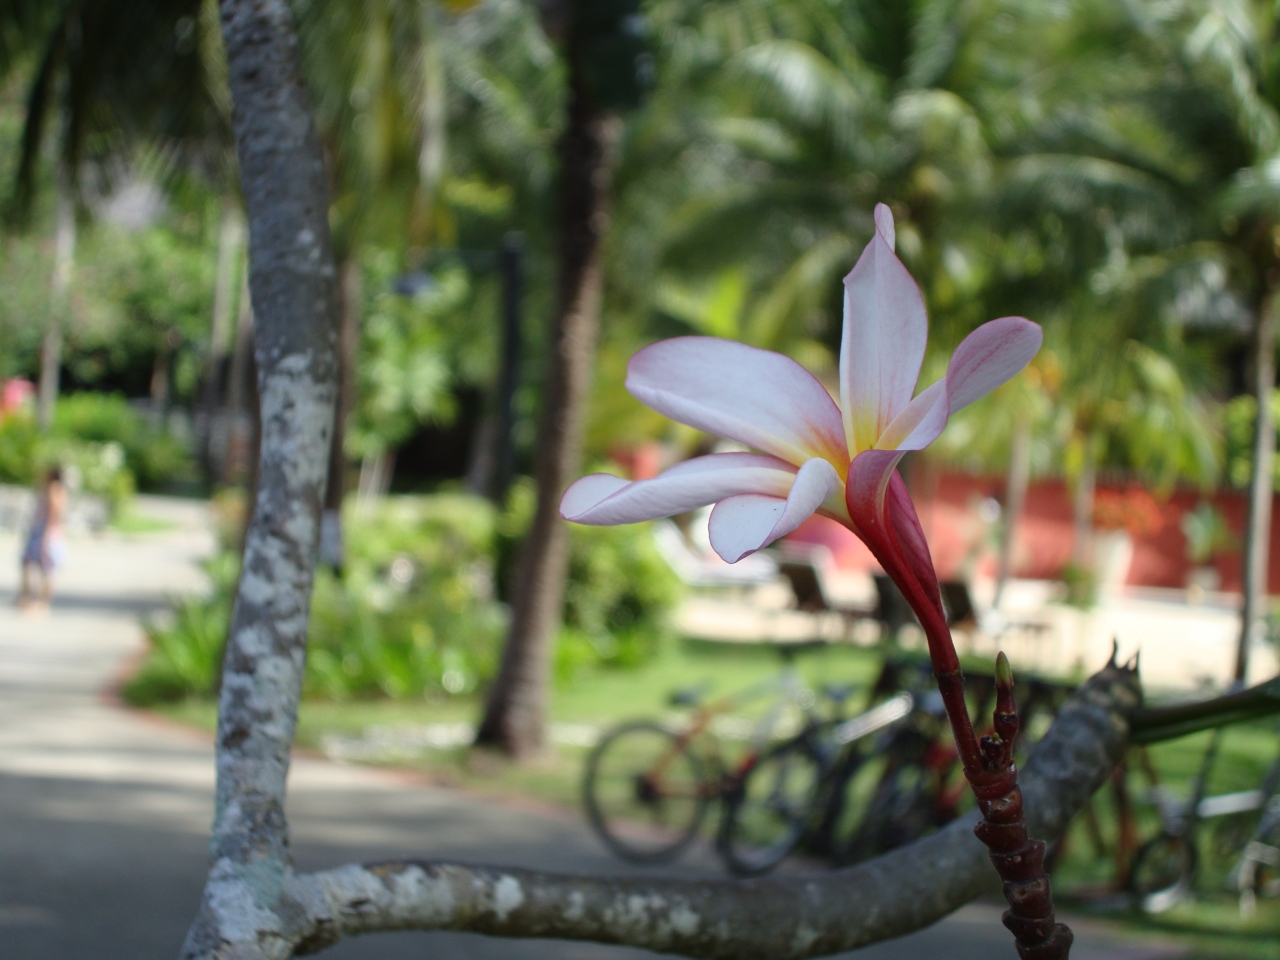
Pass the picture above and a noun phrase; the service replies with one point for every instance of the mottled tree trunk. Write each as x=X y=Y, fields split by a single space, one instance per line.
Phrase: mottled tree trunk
x=295 y=311
x=1257 y=542
x=515 y=714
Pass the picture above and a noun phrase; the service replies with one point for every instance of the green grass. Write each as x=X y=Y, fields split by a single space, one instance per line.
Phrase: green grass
x=1209 y=928
x=132 y=522
x=598 y=697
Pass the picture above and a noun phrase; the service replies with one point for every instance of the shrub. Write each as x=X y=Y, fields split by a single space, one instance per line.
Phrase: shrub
x=1133 y=510
x=413 y=612
x=186 y=646
x=154 y=456
x=94 y=467
x=19 y=443
x=619 y=595
x=1208 y=534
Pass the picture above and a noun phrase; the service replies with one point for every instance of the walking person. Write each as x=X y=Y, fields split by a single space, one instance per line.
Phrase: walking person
x=45 y=548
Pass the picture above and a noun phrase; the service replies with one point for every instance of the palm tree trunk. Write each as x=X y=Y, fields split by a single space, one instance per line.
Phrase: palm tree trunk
x=1082 y=506
x=1015 y=495
x=64 y=252
x=1257 y=545
x=230 y=233
x=515 y=714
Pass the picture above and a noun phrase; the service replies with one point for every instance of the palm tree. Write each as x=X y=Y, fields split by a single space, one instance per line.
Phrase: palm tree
x=87 y=74
x=1168 y=120
x=599 y=54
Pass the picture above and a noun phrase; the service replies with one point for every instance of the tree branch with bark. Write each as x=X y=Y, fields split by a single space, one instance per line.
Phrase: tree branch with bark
x=786 y=918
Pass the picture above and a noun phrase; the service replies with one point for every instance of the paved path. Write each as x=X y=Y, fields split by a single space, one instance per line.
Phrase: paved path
x=104 y=813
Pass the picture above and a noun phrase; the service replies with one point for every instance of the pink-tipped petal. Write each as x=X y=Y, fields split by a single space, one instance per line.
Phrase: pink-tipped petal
x=885 y=328
x=742 y=525
x=920 y=423
x=731 y=390
x=603 y=500
x=989 y=356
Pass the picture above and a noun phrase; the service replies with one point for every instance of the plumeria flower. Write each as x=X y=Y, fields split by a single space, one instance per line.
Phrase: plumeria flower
x=814 y=455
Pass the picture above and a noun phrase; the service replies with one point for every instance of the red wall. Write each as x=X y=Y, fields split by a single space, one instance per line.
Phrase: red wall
x=959 y=541
x=1044 y=537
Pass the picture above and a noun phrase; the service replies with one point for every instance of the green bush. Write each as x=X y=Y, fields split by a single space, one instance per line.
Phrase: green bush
x=186 y=647
x=619 y=595
x=413 y=612
x=92 y=466
x=412 y=615
x=19 y=445
x=154 y=457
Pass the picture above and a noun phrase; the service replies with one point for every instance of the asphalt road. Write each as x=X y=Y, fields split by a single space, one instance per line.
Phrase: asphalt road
x=104 y=813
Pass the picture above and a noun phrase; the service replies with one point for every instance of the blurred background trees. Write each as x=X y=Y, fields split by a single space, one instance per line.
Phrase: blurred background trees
x=1107 y=169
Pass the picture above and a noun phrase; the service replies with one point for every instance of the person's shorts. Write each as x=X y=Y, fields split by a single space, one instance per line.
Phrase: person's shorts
x=52 y=555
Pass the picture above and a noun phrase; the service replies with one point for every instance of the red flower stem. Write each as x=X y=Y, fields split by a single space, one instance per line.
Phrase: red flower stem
x=942 y=654
x=993 y=777
x=988 y=766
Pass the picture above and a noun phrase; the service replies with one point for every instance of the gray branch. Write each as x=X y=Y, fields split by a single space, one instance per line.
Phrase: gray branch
x=770 y=919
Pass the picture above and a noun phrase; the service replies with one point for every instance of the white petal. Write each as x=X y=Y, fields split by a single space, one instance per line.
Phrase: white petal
x=986 y=358
x=885 y=328
x=731 y=390
x=744 y=524
x=920 y=423
x=884 y=225
x=602 y=500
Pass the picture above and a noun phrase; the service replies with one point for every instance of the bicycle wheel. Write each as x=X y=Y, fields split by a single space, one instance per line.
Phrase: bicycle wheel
x=1260 y=869
x=1162 y=872
x=645 y=792
x=1227 y=840
x=767 y=812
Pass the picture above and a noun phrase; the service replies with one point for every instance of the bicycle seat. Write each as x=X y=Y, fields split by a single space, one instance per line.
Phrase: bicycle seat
x=688 y=696
x=838 y=693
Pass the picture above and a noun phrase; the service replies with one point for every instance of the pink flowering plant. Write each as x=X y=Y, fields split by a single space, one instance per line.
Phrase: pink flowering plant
x=839 y=459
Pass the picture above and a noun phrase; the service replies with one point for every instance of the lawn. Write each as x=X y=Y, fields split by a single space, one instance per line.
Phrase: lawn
x=392 y=731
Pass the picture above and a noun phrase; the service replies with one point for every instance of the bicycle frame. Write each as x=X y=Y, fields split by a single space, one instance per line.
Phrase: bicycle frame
x=791 y=691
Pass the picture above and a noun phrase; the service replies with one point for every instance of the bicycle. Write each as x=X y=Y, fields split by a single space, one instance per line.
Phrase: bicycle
x=1165 y=868
x=905 y=784
x=647 y=788
x=1258 y=871
x=769 y=809
x=852 y=789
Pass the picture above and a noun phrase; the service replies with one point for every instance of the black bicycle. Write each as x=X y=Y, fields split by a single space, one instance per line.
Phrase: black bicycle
x=772 y=806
